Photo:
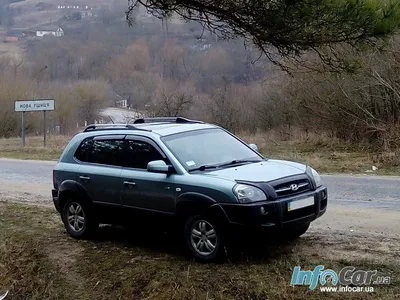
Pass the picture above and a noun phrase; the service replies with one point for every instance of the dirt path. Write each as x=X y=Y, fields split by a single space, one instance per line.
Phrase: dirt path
x=360 y=221
x=26 y=192
x=358 y=233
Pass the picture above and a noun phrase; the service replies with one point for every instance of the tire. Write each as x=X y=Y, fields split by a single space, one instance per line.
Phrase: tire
x=203 y=238
x=78 y=219
x=290 y=234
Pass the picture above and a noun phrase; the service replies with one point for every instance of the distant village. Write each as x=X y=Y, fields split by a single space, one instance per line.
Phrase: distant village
x=72 y=13
x=16 y=35
x=63 y=17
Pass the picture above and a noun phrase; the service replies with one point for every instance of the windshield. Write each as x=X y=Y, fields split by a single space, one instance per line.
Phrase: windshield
x=208 y=147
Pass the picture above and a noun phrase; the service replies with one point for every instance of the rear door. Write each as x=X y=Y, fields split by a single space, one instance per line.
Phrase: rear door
x=144 y=190
x=101 y=159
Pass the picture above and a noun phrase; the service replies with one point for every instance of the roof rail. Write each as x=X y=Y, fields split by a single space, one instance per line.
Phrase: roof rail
x=96 y=127
x=178 y=120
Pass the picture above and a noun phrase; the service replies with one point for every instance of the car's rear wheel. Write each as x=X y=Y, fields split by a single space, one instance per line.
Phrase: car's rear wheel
x=203 y=237
x=78 y=219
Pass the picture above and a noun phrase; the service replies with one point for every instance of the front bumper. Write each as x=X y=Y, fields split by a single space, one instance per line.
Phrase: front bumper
x=275 y=213
x=56 y=201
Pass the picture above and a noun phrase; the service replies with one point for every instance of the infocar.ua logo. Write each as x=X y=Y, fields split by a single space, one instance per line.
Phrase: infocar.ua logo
x=345 y=277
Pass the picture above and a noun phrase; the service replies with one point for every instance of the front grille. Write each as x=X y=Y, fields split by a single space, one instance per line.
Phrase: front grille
x=292 y=188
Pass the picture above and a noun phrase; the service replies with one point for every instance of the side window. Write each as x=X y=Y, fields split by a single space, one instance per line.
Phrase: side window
x=106 y=152
x=139 y=154
x=83 y=152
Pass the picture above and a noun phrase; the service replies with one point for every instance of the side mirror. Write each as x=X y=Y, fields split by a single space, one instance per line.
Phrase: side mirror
x=159 y=166
x=254 y=147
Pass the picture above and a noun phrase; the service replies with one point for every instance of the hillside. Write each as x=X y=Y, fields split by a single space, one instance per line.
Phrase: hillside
x=19 y=17
x=33 y=13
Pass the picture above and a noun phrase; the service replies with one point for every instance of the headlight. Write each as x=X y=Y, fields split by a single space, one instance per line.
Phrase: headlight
x=317 y=178
x=247 y=193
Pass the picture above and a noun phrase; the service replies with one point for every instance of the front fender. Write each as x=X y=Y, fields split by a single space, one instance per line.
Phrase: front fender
x=191 y=203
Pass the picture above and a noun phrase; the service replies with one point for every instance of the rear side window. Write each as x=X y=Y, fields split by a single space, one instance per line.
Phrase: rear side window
x=105 y=152
x=139 y=154
x=84 y=150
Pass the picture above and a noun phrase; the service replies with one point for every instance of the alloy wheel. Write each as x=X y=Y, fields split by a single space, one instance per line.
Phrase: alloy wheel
x=76 y=217
x=203 y=237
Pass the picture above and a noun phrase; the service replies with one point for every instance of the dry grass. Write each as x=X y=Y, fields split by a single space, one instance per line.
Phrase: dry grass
x=14 y=48
x=34 y=149
x=31 y=18
x=39 y=261
x=325 y=154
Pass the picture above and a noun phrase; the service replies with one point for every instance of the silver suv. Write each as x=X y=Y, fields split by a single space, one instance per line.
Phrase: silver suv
x=188 y=171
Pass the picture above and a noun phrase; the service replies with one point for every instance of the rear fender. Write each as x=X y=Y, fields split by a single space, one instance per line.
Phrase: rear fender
x=72 y=189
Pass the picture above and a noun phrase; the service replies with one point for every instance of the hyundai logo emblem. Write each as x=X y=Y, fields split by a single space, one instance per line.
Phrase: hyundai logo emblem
x=294 y=187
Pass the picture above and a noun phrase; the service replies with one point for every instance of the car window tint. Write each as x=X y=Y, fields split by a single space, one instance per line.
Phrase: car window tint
x=139 y=154
x=84 y=150
x=106 y=152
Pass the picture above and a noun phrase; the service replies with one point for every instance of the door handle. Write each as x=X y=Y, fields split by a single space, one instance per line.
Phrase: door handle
x=85 y=178
x=129 y=183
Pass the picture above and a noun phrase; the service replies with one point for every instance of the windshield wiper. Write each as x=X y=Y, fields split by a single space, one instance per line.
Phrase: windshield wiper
x=204 y=167
x=233 y=162
x=239 y=161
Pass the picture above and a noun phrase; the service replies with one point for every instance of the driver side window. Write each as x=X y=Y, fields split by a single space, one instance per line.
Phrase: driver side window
x=139 y=154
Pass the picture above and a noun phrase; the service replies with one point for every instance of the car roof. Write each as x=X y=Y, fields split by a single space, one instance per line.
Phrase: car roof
x=160 y=128
x=164 y=129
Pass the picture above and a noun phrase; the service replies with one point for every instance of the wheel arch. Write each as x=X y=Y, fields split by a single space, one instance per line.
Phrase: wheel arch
x=189 y=204
x=72 y=189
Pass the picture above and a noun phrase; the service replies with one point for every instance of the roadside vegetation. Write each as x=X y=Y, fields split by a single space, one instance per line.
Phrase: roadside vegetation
x=39 y=261
x=34 y=148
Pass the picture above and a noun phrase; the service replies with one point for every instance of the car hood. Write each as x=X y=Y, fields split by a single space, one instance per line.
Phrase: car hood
x=267 y=170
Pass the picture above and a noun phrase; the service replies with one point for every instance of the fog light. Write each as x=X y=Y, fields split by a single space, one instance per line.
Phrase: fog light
x=263 y=211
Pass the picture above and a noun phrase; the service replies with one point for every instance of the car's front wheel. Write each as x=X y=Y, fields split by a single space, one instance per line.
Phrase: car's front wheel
x=203 y=237
x=78 y=219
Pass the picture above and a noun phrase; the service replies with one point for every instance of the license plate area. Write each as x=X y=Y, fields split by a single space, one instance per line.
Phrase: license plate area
x=298 y=204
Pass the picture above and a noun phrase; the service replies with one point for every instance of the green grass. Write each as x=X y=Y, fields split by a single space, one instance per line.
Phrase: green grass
x=39 y=261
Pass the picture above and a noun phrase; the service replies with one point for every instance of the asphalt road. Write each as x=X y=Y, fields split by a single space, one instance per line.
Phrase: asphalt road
x=362 y=190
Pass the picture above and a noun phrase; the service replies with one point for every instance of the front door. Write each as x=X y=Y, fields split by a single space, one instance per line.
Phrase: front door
x=144 y=190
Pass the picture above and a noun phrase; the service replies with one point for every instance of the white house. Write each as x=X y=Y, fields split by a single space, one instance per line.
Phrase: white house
x=55 y=31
